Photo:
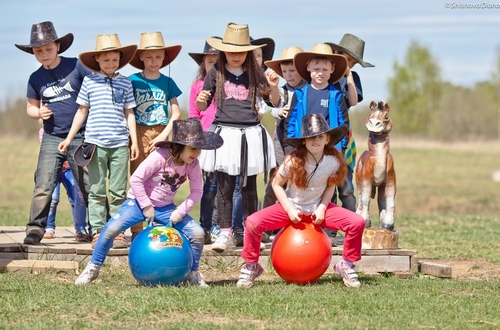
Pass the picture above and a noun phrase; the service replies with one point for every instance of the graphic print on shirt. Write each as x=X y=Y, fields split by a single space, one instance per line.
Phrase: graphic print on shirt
x=151 y=105
x=237 y=92
x=174 y=181
x=54 y=92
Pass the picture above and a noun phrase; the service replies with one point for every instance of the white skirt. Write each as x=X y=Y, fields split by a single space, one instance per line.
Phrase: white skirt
x=227 y=158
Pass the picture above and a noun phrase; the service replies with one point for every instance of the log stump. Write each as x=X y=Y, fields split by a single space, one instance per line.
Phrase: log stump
x=375 y=238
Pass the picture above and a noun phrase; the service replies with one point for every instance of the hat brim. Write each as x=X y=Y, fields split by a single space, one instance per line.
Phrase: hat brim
x=300 y=62
x=210 y=141
x=225 y=47
x=64 y=43
x=171 y=53
x=336 y=135
x=87 y=58
x=267 y=50
x=353 y=55
x=276 y=65
x=198 y=57
x=83 y=154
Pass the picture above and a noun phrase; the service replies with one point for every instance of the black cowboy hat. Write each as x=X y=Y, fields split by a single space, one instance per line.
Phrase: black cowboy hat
x=207 y=50
x=44 y=33
x=83 y=154
x=189 y=132
x=267 y=50
x=314 y=125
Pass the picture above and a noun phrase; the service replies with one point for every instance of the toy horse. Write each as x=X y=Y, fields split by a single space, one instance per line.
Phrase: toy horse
x=375 y=169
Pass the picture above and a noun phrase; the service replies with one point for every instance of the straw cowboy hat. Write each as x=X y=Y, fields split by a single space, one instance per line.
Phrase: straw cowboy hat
x=44 y=33
x=106 y=43
x=301 y=60
x=152 y=41
x=236 y=39
x=314 y=125
x=286 y=55
x=267 y=50
x=207 y=50
x=352 y=45
x=189 y=132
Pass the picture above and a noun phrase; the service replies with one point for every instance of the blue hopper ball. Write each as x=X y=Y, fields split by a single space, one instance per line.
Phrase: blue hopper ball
x=160 y=255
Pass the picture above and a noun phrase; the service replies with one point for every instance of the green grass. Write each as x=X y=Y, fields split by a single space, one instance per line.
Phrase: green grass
x=447 y=207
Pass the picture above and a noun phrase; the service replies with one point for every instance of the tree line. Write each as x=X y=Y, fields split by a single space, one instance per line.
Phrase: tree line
x=422 y=104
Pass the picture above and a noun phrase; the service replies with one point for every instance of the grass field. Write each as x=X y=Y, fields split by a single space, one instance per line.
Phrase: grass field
x=447 y=207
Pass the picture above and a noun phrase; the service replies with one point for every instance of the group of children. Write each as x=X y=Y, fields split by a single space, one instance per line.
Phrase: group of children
x=93 y=113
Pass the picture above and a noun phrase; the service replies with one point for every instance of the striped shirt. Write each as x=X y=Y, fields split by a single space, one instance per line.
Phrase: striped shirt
x=107 y=99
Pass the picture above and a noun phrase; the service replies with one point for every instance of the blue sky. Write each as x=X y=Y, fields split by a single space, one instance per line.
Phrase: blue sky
x=464 y=41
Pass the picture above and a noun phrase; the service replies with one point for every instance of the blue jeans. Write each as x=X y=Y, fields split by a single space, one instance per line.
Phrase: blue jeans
x=130 y=213
x=75 y=198
x=48 y=171
x=208 y=201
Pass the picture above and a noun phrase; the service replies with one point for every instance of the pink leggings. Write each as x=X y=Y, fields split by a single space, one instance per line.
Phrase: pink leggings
x=275 y=217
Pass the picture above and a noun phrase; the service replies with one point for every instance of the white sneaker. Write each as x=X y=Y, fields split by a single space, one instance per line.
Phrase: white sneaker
x=262 y=246
x=196 y=279
x=248 y=275
x=221 y=243
x=89 y=274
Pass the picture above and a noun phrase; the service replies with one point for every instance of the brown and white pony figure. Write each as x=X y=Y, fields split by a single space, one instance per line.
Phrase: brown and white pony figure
x=375 y=169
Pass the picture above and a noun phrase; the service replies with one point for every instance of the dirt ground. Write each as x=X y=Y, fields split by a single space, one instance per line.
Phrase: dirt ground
x=462 y=269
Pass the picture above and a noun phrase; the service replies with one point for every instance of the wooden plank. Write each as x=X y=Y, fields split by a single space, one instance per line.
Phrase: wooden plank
x=38 y=266
x=434 y=269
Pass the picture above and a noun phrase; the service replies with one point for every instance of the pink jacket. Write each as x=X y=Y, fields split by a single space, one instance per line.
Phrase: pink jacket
x=207 y=116
x=156 y=181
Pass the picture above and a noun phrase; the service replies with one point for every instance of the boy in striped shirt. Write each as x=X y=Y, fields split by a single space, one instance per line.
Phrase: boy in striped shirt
x=107 y=99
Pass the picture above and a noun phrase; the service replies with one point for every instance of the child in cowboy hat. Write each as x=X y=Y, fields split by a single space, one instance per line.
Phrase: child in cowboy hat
x=152 y=190
x=311 y=172
x=153 y=91
x=284 y=68
x=352 y=48
x=107 y=100
x=52 y=92
x=236 y=82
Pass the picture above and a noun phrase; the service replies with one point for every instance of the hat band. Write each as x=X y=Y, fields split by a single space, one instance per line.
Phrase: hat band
x=233 y=44
x=154 y=46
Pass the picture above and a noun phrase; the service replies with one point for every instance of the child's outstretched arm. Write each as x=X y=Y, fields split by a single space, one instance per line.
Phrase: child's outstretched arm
x=78 y=121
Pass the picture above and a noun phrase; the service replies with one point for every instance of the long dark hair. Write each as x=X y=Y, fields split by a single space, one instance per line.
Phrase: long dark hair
x=257 y=85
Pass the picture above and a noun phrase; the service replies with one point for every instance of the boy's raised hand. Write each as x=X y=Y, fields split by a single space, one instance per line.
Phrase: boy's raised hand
x=272 y=78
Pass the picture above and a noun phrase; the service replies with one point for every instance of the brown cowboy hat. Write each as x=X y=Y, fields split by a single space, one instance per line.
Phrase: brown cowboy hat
x=44 y=33
x=189 y=132
x=236 y=39
x=352 y=45
x=207 y=50
x=286 y=55
x=314 y=125
x=267 y=50
x=106 y=43
x=301 y=60
x=152 y=41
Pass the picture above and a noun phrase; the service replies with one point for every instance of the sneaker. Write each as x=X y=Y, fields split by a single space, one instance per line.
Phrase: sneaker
x=32 y=239
x=49 y=234
x=81 y=237
x=262 y=246
x=196 y=279
x=238 y=236
x=208 y=237
x=221 y=243
x=265 y=237
x=215 y=232
x=95 y=237
x=249 y=273
x=134 y=235
x=348 y=273
x=120 y=242
x=89 y=274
